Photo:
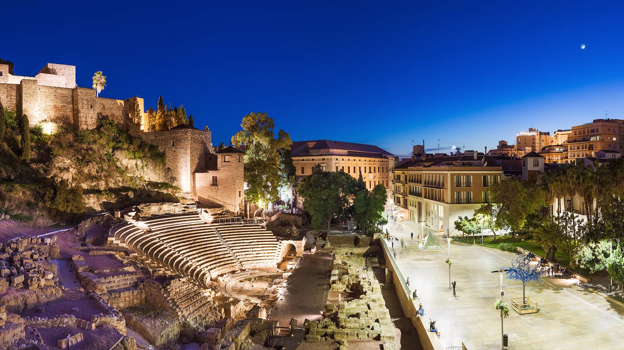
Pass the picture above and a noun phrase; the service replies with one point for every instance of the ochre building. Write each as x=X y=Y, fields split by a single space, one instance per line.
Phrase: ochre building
x=600 y=135
x=353 y=158
x=435 y=191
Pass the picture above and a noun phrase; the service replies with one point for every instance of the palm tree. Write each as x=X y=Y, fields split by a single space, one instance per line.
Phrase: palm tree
x=99 y=82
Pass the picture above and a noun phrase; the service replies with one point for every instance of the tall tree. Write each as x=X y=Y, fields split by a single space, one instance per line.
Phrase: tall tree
x=99 y=82
x=516 y=200
x=488 y=213
x=262 y=168
x=25 y=132
x=151 y=120
x=191 y=122
x=327 y=195
x=368 y=207
x=180 y=117
x=161 y=116
x=3 y=124
x=361 y=185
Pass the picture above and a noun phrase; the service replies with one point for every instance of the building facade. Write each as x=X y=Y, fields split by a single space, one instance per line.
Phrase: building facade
x=533 y=140
x=600 y=135
x=354 y=159
x=437 y=191
x=555 y=154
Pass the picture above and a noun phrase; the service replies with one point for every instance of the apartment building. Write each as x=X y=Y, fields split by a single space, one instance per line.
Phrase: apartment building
x=600 y=135
x=555 y=154
x=533 y=140
x=354 y=159
x=438 y=190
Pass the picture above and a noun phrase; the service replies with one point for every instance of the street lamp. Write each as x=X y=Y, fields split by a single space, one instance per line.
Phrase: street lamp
x=502 y=293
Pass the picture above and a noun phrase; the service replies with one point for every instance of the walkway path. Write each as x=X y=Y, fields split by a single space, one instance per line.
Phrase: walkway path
x=570 y=317
x=305 y=293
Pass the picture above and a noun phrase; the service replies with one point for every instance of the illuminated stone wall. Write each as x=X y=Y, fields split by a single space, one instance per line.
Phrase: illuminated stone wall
x=52 y=95
x=229 y=189
x=186 y=150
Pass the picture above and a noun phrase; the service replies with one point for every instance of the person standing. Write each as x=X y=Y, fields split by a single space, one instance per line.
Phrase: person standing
x=407 y=282
x=412 y=236
x=454 y=284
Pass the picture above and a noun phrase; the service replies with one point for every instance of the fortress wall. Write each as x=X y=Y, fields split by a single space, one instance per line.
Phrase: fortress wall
x=43 y=102
x=44 y=79
x=88 y=107
x=185 y=151
x=8 y=96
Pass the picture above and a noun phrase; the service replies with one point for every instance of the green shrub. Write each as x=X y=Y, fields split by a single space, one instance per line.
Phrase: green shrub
x=508 y=247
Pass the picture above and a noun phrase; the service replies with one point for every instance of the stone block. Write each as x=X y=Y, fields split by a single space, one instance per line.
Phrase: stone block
x=17 y=279
x=313 y=338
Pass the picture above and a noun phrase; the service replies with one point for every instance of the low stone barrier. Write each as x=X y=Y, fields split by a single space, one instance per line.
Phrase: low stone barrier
x=428 y=340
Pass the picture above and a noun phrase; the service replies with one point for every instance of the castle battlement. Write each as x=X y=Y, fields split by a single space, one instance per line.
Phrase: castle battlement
x=53 y=96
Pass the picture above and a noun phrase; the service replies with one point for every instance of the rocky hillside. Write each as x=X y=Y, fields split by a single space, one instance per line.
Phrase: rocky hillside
x=74 y=172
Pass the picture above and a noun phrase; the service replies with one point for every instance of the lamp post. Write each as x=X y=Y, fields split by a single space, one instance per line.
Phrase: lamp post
x=502 y=293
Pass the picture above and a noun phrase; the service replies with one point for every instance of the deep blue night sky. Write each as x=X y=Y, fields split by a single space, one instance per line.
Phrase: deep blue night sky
x=467 y=72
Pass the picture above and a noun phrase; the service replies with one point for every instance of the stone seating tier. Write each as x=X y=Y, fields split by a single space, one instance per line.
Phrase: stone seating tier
x=190 y=247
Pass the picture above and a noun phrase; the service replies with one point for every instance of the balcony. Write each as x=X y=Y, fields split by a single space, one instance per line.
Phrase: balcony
x=434 y=184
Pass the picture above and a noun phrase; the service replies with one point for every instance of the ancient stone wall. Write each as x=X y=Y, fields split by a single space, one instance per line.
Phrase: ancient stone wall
x=8 y=96
x=225 y=186
x=185 y=150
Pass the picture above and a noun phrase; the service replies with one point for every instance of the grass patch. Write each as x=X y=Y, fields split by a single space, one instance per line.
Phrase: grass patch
x=506 y=243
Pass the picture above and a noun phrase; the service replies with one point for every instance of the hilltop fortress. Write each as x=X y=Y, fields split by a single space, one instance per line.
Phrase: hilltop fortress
x=52 y=97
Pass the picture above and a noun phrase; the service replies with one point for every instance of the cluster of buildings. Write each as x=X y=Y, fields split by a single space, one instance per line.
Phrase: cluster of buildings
x=602 y=139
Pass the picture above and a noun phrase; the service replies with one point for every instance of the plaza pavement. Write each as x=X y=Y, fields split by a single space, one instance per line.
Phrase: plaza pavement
x=570 y=317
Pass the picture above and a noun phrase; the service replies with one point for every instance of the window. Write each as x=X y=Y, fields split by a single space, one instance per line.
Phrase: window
x=495 y=179
x=240 y=194
x=486 y=182
x=172 y=143
x=369 y=169
x=468 y=181
x=214 y=181
x=0 y=74
x=348 y=169
x=336 y=168
x=342 y=168
x=226 y=159
x=239 y=159
x=458 y=181
x=364 y=169
x=302 y=171
x=468 y=196
x=536 y=162
x=458 y=197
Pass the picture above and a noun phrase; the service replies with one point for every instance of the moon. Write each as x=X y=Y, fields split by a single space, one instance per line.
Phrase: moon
x=582 y=46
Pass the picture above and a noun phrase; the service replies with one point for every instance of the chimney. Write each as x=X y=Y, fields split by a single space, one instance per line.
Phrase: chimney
x=474 y=154
x=485 y=151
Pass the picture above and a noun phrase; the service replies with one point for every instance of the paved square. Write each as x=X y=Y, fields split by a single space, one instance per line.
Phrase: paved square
x=570 y=317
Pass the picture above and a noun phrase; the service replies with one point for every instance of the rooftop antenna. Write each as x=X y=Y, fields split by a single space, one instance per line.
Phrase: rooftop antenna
x=438 y=145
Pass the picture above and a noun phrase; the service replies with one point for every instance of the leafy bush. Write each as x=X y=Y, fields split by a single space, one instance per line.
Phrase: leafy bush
x=508 y=247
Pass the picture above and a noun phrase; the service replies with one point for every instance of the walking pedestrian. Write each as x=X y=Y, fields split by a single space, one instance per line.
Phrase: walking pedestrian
x=407 y=282
x=421 y=311
x=392 y=244
x=412 y=235
x=454 y=284
x=394 y=253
